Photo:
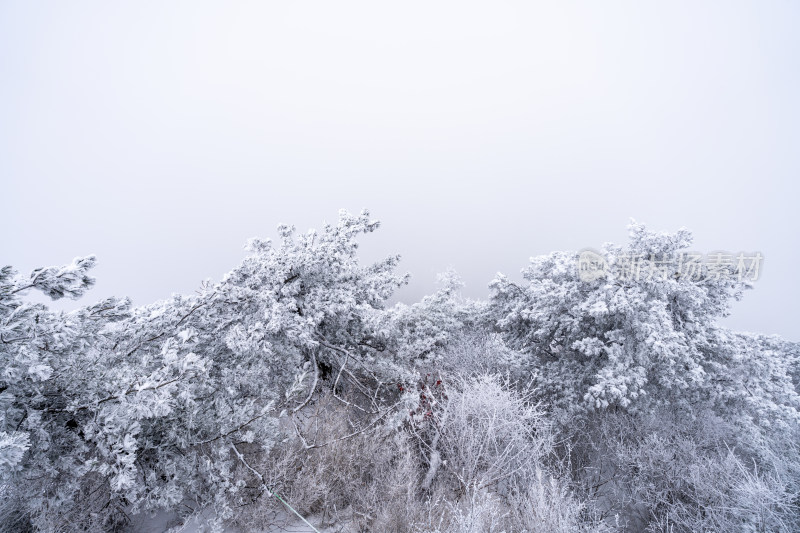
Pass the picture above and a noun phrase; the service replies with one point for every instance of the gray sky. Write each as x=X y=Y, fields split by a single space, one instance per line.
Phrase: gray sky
x=161 y=135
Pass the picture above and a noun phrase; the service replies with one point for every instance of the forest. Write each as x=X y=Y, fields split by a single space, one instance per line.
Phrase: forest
x=296 y=387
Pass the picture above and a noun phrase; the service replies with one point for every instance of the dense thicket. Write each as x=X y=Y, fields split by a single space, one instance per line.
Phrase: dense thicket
x=558 y=404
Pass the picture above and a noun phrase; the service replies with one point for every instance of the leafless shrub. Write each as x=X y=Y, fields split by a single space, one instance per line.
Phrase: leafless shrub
x=486 y=434
x=368 y=480
x=670 y=473
x=479 y=353
x=487 y=449
x=548 y=505
x=482 y=512
x=13 y=517
x=685 y=489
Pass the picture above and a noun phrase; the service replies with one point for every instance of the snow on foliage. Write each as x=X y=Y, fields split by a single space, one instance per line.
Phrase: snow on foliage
x=110 y=409
x=638 y=343
x=499 y=408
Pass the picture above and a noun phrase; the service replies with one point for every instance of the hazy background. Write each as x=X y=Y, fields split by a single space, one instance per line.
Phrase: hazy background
x=161 y=135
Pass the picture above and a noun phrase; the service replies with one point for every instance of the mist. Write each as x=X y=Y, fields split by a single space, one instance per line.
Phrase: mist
x=161 y=136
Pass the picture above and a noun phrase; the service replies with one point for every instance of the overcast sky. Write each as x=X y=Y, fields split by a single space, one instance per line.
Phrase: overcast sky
x=162 y=135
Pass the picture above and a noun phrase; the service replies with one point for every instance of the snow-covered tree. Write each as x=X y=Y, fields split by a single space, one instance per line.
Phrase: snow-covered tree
x=109 y=410
x=416 y=332
x=640 y=342
x=634 y=342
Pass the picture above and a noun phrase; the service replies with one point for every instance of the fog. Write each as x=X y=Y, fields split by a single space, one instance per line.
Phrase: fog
x=161 y=136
